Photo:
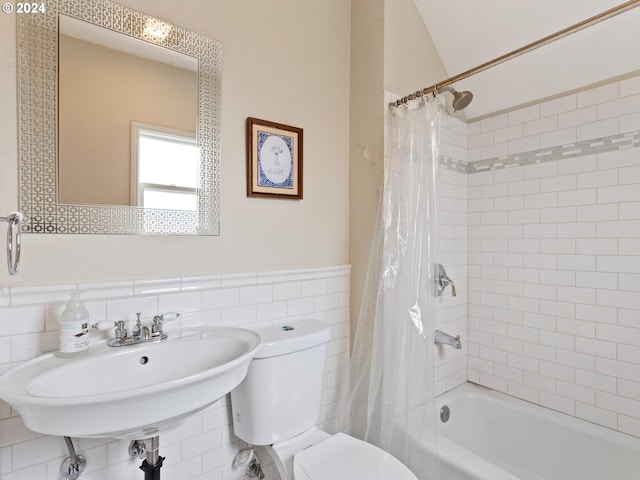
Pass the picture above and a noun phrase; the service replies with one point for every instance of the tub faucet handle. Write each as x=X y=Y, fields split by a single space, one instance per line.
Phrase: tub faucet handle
x=442 y=281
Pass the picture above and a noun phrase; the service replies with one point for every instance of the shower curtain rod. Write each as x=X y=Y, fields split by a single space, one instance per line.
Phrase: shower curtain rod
x=522 y=50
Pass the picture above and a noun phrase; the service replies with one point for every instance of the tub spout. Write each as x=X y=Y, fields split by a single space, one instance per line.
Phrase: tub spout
x=447 y=339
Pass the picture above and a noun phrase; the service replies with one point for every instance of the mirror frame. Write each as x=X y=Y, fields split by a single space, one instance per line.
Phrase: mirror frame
x=38 y=127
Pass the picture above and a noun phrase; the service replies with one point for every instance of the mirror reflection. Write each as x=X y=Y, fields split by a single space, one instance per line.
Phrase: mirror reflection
x=119 y=116
x=127 y=120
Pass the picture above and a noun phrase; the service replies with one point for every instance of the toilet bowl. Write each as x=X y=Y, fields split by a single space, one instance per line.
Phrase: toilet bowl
x=278 y=404
x=341 y=457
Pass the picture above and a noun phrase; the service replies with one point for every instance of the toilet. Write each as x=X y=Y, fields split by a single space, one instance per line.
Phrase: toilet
x=278 y=404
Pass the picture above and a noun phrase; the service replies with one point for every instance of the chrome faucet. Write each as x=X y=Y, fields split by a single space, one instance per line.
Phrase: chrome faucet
x=139 y=329
x=446 y=339
x=139 y=333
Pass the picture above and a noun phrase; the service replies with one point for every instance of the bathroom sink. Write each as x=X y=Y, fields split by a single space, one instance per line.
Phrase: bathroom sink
x=131 y=392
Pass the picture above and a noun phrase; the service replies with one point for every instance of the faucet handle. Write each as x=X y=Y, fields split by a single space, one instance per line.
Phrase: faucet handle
x=121 y=330
x=120 y=327
x=165 y=317
x=169 y=316
x=442 y=281
x=104 y=325
x=158 y=320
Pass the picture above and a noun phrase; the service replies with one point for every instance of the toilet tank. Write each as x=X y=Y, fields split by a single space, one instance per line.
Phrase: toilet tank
x=280 y=396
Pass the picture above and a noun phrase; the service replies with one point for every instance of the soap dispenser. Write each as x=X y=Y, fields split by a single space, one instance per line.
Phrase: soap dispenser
x=74 y=328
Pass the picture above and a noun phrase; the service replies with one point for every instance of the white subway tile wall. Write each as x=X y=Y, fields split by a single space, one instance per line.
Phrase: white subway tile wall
x=203 y=448
x=453 y=210
x=550 y=276
x=554 y=255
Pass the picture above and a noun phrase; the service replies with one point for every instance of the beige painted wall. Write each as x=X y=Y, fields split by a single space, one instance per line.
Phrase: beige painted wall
x=283 y=60
x=391 y=50
x=367 y=137
x=411 y=61
x=101 y=91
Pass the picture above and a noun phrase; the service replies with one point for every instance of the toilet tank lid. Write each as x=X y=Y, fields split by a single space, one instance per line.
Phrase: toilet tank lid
x=283 y=338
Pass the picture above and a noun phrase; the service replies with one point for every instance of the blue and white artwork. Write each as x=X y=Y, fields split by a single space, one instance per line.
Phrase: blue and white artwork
x=275 y=160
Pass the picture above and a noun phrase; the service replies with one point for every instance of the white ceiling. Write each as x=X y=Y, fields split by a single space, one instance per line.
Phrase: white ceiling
x=468 y=33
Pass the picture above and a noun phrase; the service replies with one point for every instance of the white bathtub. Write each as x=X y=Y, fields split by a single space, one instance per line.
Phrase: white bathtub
x=491 y=436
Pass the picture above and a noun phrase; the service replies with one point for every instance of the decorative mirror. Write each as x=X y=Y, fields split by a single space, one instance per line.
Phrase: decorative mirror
x=119 y=123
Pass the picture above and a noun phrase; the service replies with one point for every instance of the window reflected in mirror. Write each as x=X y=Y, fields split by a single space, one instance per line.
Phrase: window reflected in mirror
x=165 y=164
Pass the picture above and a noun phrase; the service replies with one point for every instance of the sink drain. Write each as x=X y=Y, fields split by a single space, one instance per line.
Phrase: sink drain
x=445 y=414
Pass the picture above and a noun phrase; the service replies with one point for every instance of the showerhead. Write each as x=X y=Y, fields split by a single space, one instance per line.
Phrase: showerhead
x=460 y=99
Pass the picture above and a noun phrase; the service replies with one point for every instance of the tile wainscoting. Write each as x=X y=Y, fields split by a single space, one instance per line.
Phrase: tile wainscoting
x=204 y=447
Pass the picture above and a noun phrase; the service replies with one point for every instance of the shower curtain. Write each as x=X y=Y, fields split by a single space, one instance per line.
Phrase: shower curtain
x=392 y=366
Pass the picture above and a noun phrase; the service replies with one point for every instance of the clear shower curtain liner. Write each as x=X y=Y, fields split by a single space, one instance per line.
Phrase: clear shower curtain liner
x=392 y=367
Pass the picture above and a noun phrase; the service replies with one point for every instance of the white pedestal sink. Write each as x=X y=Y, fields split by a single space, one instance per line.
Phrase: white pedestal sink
x=131 y=392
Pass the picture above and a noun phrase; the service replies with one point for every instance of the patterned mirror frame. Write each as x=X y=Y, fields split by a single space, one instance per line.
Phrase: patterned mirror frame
x=38 y=127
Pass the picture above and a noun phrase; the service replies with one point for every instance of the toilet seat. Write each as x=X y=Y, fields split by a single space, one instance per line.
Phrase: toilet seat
x=341 y=457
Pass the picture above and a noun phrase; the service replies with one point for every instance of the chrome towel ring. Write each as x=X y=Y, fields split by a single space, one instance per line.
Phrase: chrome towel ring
x=13 y=241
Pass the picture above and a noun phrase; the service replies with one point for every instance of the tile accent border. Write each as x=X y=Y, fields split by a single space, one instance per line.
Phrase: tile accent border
x=560 y=152
x=454 y=164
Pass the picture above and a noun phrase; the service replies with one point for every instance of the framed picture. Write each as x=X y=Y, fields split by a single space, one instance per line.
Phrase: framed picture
x=274 y=160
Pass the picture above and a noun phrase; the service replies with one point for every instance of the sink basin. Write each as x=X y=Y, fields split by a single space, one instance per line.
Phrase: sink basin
x=131 y=392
